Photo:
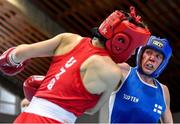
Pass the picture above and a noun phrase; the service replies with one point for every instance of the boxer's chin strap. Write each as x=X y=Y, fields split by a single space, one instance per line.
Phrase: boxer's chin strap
x=137 y=18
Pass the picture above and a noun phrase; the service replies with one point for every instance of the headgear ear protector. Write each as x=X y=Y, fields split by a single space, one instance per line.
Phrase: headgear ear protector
x=122 y=36
x=160 y=45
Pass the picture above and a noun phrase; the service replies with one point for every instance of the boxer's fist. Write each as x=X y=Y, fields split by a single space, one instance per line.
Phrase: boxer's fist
x=31 y=84
x=8 y=66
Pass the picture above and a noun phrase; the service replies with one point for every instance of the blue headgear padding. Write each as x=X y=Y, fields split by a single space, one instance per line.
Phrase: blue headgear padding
x=160 y=45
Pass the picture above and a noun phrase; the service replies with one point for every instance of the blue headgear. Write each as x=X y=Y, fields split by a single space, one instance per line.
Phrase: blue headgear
x=160 y=45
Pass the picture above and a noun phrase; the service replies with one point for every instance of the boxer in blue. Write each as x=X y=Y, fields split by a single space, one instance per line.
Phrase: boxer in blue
x=140 y=97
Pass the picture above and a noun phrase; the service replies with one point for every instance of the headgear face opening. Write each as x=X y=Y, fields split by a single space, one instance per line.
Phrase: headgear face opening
x=160 y=45
x=123 y=37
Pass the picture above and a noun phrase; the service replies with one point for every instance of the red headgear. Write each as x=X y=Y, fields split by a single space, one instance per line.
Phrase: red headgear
x=123 y=37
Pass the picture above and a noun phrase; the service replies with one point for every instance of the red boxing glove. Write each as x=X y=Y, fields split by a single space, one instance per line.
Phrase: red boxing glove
x=7 y=64
x=31 y=84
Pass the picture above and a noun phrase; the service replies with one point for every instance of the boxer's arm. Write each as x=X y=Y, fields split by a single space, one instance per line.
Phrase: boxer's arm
x=104 y=98
x=109 y=79
x=167 y=115
x=40 y=49
x=44 y=48
x=23 y=52
x=13 y=60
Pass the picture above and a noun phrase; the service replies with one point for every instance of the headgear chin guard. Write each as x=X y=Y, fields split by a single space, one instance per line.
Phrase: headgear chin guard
x=122 y=36
x=160 y=45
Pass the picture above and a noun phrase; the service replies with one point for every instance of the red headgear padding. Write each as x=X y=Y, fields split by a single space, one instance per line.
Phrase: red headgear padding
x=123 y=37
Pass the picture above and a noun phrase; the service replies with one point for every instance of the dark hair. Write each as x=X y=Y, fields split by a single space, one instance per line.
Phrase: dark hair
x=95 y=33
x=142 y=25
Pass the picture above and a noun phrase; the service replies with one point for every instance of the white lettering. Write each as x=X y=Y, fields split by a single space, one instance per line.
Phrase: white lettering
x=68 y=64
x=131 y=98
x=62 y=70
x=51 y=84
